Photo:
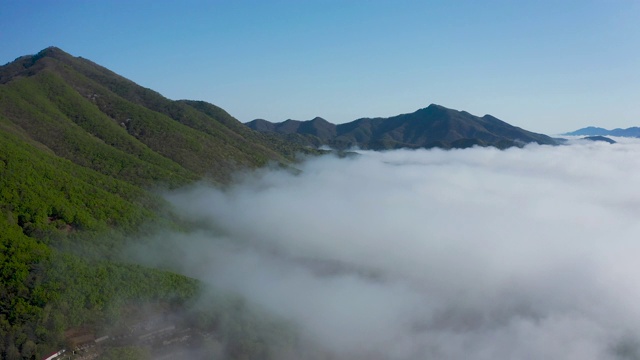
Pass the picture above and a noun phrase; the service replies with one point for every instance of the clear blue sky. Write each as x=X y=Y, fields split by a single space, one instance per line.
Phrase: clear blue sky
x=548 y=66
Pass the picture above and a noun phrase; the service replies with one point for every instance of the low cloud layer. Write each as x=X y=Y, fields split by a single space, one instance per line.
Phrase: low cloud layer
x=479 y=253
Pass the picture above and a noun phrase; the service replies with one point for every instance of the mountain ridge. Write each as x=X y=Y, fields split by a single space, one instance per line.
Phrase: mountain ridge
x=633 y=131
x=432 y=126
x=53 y=92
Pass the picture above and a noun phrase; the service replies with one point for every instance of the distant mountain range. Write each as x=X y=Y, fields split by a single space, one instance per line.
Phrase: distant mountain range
x=430 y=127
x=593 y=131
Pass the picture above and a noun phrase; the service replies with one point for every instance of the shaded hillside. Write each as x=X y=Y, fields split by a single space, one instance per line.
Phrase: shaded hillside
x=434 y=126
x=598 y=131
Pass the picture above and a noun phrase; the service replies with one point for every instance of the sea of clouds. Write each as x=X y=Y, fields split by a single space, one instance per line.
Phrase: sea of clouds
x=524 y=253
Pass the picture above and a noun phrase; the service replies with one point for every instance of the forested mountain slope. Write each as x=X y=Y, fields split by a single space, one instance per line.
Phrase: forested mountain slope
x=92 y=116
x=80 y=149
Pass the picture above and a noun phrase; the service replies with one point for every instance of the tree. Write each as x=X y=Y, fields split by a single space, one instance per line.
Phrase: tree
x=13 y=353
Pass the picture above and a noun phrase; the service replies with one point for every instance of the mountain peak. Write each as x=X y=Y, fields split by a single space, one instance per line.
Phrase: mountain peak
x=434 y=111
x=31 y=64
x=435 y=108
x=51 y=51
x=431 y=107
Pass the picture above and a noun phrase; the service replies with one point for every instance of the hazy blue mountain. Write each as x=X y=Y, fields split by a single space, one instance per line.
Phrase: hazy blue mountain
x=593 y=131
x=628 y=132
x=599 y=138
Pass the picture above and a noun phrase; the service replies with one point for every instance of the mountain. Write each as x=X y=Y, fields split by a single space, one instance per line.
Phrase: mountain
x=80 y=147
x=594 y=131
x=85 y=113
x=599 y=138
x=433 y=126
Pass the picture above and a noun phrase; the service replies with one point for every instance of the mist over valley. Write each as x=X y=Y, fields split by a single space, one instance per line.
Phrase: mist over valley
x=460 y=254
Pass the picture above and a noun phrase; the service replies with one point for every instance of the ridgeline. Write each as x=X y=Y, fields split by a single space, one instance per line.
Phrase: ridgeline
x=430 y=127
